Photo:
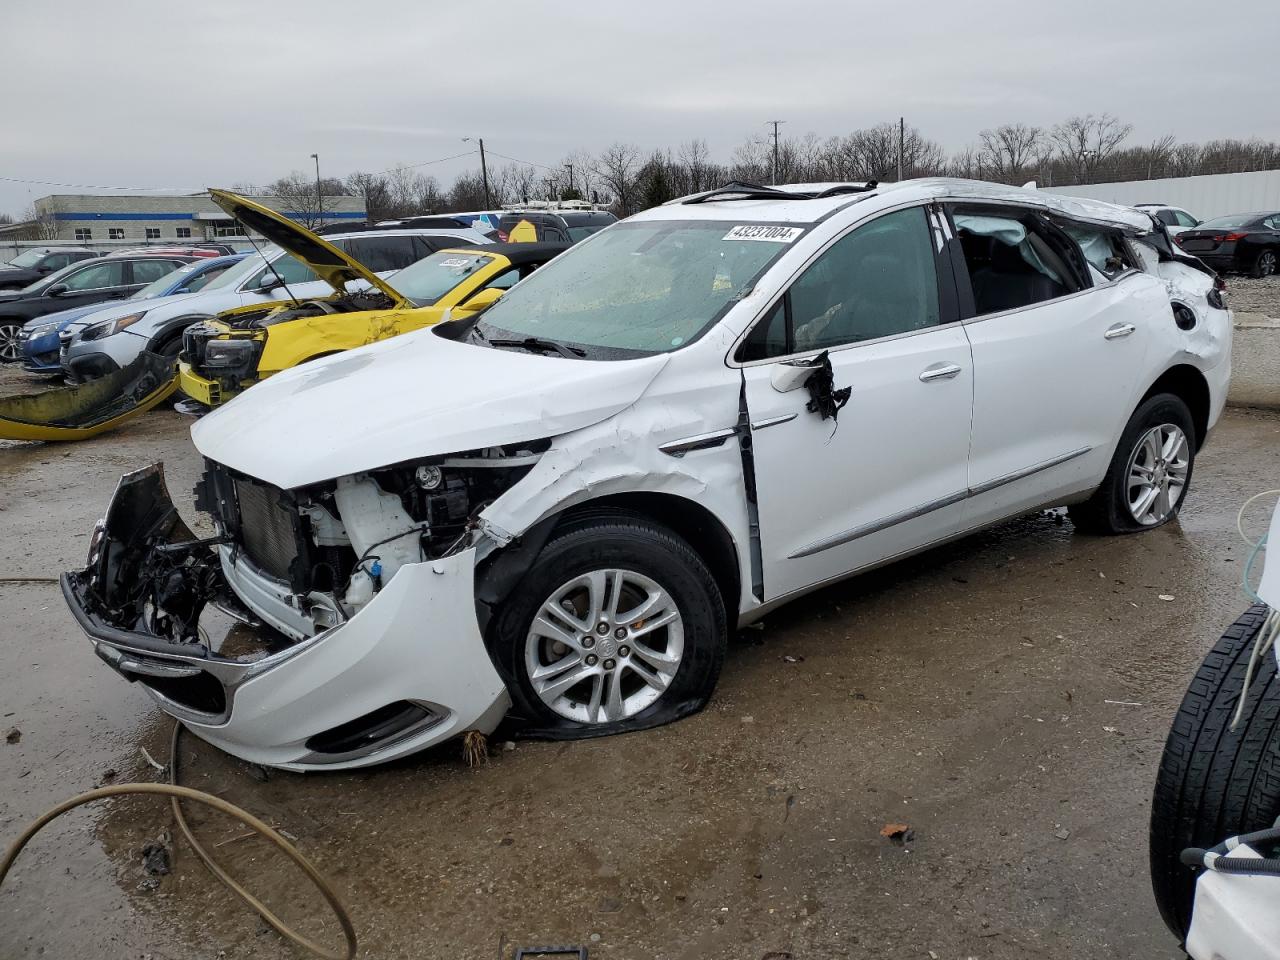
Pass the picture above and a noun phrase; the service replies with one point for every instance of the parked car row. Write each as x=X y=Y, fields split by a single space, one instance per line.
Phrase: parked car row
x=559 y=507
x=1237 y=243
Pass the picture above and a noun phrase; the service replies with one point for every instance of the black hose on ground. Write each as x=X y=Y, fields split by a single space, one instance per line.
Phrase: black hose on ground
x=176 y=794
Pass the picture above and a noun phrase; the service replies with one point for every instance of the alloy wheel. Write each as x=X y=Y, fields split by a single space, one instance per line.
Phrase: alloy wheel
x=1157 y=474
x=604 y=646
x=10 y=345
x=1266 y=263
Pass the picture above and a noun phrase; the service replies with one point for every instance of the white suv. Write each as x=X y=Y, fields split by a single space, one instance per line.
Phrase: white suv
x=561 y=509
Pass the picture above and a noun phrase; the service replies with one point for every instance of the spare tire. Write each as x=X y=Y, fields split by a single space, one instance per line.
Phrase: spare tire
x=1215 y=783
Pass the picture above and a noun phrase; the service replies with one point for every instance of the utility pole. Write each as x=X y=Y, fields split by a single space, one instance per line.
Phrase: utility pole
x=484 y=172
x=775 y=123
x=319 y=195
x=902 y=143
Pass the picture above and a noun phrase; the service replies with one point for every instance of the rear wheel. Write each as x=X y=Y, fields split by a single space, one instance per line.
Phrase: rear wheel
x=618 y=626
x=1265 y=263
x=1150 y=471
x=1214 y=783
x=10 y=344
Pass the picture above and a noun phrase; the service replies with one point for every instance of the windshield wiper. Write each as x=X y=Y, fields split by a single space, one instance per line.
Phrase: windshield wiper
x=537 y=343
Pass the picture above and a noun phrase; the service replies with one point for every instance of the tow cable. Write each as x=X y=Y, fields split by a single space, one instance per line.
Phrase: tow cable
x=176 y=794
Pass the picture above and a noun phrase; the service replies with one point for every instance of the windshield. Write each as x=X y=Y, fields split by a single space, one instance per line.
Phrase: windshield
x=428 y=280
x=581 y=233
x=157 y=286
x=50 y=279
x=1234 y=220
x=28 y=259
x=637 y=288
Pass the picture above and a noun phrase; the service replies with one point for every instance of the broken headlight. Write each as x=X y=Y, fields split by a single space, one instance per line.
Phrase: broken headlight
x=230 y=353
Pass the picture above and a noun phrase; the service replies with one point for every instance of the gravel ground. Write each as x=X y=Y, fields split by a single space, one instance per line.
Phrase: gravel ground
x=1260 y=297
x=1006 y=696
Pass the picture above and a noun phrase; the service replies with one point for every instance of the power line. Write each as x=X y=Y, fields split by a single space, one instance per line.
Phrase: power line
x=530 y=163
x=94 y=186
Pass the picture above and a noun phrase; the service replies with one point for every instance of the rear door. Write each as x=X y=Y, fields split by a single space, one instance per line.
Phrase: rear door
x=1057 y=359
x=93 y=283
x=887 y=473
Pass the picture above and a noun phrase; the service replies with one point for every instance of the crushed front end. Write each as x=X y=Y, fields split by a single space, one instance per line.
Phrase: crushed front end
x=327 y=627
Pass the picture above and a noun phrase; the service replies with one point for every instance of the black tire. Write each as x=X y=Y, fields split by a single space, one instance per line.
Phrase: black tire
x=10 y=350
x=631 y=543
x=1107 y=511
x=1214 y=784
x=1266 y=263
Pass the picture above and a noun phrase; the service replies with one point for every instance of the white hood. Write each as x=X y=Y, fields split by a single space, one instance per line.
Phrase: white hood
x=412 y=396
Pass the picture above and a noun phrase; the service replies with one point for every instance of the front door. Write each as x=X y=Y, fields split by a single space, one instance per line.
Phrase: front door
x=888 y=472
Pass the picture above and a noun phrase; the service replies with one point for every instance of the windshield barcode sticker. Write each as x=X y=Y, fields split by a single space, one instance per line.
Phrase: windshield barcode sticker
x=768 y=234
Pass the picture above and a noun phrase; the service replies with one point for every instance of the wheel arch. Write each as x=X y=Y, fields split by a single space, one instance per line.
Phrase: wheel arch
x=173 y=328
x=698 y=526
x=1190 y=386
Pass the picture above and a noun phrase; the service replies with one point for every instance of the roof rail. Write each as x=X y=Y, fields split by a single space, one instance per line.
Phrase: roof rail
x=741 y=190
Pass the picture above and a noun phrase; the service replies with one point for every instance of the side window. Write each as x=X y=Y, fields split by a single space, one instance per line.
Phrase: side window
x=380 y=254
x=878 y=281
x=1012 y=262
x=194 y=285
x=1272 y=222
x=1185 y=219
x=289 y=269
x=1104 y=250
x=96 y=276
x=1167 y=217
x=503 y=281
x=144 y=271
x=56 y=261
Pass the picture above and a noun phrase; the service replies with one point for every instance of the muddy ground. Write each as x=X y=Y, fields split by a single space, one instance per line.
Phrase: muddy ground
x=1007 y=697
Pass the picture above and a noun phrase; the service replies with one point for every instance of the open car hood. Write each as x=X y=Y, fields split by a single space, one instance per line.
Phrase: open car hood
x=330 y=264
x=412 y=396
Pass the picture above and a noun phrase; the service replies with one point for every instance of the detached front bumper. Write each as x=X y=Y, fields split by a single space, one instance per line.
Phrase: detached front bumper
x=206 y=391
x=408 y=671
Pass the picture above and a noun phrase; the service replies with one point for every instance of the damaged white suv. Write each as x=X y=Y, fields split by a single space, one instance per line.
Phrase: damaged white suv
x=557 y=512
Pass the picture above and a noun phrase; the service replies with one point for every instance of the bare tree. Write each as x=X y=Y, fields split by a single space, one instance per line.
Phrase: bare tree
x=38 y=224
x=1010 y=150
x=616 y=170
x=695 y=158
x=1085 y=144
x=302 y=202
x=374 y=190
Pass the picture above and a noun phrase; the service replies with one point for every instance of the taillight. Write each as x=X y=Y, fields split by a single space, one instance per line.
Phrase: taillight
x=1229 y=237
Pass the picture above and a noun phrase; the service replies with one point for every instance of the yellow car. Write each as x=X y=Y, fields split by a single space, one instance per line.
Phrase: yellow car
x=222 y=357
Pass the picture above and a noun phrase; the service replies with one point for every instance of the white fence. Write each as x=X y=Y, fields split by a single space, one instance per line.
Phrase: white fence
x=1214 y=195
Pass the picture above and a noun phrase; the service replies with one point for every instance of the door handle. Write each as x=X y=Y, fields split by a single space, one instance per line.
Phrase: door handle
x=939 y=371
x=1118 y=330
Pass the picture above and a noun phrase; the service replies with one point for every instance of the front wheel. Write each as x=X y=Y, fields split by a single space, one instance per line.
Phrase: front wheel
x=1265 y=264
x=1150 y=471
x=618 y=626
x=10 y=342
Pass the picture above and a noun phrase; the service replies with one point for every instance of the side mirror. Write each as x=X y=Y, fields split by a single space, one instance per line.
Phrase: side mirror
x=43 y=269
x=792 y=374
x=481 y=300
x=57 y=290
x=182 y=290
x=268 y=283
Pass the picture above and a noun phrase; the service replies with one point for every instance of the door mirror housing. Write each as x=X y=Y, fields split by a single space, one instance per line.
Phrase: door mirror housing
x=57 y=290
x=792 y=374
x=268 y=283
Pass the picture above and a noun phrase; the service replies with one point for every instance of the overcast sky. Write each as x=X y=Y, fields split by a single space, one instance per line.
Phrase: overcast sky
x=156 y=94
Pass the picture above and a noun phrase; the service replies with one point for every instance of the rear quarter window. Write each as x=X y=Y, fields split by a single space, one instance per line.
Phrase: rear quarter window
x=380 y=254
